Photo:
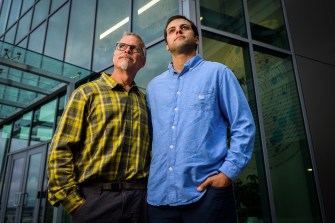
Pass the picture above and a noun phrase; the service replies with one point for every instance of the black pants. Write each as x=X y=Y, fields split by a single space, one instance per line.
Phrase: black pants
x=216 y=206
x=106 y=206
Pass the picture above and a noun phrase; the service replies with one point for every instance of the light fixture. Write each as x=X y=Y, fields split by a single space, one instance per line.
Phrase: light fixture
x=124 y=21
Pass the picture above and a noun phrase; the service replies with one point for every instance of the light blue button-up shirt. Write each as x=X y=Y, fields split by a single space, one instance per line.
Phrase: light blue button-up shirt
x=190 y=113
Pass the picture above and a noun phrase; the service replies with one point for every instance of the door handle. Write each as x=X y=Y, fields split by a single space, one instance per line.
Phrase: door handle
x=17 y=198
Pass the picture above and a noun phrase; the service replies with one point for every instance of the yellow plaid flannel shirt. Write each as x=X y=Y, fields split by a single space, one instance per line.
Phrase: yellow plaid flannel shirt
x=103 y=135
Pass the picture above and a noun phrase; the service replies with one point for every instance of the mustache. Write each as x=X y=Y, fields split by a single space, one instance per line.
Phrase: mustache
x=125 y=55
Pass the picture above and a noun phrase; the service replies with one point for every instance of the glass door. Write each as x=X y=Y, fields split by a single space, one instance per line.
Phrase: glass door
x=23 y=186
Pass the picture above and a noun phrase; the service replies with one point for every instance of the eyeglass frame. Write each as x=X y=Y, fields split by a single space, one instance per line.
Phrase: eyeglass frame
x=132 y=47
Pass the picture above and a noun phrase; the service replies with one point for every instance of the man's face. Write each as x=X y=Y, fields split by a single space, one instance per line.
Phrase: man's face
x=180 y=36
x=129 y=57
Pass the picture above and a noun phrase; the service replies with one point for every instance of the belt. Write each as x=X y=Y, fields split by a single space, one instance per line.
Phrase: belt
x=117 y=186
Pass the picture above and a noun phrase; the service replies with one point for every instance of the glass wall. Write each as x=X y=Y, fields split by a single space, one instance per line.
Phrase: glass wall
x=283 y=163
x=223 y=15
x=290 y=165
x=5 y=135
x=267 y=22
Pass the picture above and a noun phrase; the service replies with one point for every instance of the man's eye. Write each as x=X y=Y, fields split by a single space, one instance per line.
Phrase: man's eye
x=171 y=30
x=122 y=46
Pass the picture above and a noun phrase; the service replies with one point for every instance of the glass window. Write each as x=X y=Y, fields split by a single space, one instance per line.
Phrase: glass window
x=55 y=41
x=24 y=25
x=112 y=22
x=290 y=165
x=157 y=62
x=5 y=132
x=10 y=35
x=26 y=4
x=56 y=3
x=21 y=131
x=36 y=39
x=43 y=123
x=80 y=36
x=23 y=43
x=4 y=16
x=41 y=11
x=60 y=109
x=224 y=15
x=14 y=12
x=267 y=22
x=250 y=192
x=149 y=17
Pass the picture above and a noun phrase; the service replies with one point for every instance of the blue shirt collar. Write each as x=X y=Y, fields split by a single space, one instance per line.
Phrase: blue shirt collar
x=189 y=65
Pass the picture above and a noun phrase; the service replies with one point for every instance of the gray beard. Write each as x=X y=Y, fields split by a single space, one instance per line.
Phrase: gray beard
x=124 y=65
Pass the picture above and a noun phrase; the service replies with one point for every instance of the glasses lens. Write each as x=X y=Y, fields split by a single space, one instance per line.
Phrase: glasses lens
x=124 y=46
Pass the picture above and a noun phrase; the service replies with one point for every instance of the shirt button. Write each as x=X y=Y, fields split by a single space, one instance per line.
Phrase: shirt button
x=171 y=146
x=170 y=168
x=178 y=92
x=176 y=109
x=173 y=127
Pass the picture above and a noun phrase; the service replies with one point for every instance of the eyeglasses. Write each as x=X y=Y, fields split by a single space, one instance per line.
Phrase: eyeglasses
x=133 y=48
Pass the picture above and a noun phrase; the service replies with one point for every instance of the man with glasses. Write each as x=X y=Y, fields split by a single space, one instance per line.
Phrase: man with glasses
x=99 y=156
x=192 y=105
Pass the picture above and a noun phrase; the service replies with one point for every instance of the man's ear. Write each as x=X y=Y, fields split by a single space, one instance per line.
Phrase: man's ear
x=197 y=40
x=167 y=47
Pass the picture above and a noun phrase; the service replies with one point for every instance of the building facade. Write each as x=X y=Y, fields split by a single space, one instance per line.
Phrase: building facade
x=50 y=47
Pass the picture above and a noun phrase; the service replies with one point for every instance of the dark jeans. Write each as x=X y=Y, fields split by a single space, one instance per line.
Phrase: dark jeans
x=105 y=206
x=216 y=206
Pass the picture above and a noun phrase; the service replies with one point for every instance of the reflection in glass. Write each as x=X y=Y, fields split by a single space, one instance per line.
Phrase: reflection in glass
x=250 y=187
x=149 y=17
x=14 y=191
x=60 y=109
x=5 y=132
x=157 y=62
x=10 y=35
x=31 y=190
x=79 y=50
x=41 y=11
x=14 y=12
x=46 y=209
x=36 y=39
x=290 y=165
x=24 y=25
x=267 y=22
x=25 y=5
x=4 y=16
x=111 y=23
x=43 y=123
x=224 y=15
x=57 y=31
x=21 y=132
x=56 y=3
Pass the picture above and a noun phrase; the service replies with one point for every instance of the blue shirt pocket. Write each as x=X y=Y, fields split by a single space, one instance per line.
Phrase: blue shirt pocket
x=201 y=101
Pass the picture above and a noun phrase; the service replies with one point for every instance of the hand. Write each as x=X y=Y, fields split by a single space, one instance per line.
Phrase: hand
x=218 y=180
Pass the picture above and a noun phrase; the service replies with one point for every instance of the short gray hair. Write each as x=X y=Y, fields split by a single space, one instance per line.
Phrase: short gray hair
x=139 y=38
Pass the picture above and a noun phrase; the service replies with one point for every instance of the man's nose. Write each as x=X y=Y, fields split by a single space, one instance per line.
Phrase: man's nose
x=179 y=30
x=128 y=50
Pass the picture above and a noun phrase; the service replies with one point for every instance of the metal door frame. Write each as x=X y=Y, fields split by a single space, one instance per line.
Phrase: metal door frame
x=26 y=153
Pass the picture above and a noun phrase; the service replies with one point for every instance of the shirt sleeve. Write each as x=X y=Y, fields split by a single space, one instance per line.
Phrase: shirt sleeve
x=62 y=185
x=235 y=107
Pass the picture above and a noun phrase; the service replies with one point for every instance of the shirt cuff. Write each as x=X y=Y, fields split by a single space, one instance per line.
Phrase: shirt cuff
x=72 y=201
x=230 y=170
